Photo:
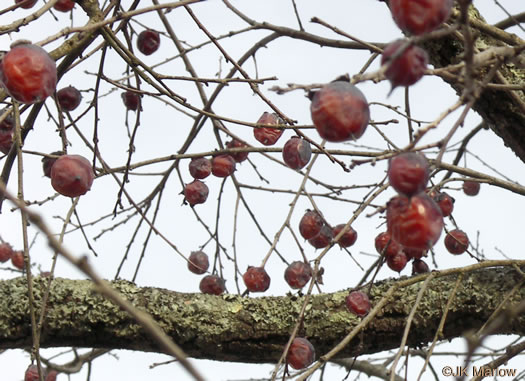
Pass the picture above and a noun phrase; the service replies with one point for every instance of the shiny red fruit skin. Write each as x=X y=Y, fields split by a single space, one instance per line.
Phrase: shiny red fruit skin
x=408 y=173
x=420 y=16
x=72 y=175
x=298 y=274
x=6 y=252
x=68 y=98
x=340 y=112
x=471 y=188
x=301 y=353
x=397 y=262
x=196 y=192
x=297 y=152
x=64 y=5
x=28 y=73
x=256 y=279
x=26 y=4
x=445 y=203
x=358 y=303
x=310 y=224
x=131 y=100
x=222 y=165
x=17 y=259
x=47 y=163
x=239 y=157
x=419 y=267
x=382 y=240
x=323 y=239
x=198 y=262
x=348 y=238
x=212 y=284
x=266 y=135
x=456 y=241
x=200 y=168
x=148 y=42
x=415 y=223
x=407 y=67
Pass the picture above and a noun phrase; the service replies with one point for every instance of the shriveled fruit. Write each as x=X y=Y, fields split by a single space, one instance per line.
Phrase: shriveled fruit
x=456 y=241
x=397 y=262
x=196 y=192
x=31 y=373
x=415 y=223
x=17 y=259
x=310 y=224
x=200 y=168
x=301 y=353
x=358 y=303
x=419 y=267
x=420 y=16
x=212 y=284
x=445 y=203
x=68 y=98
x=267 y=135
x=471 y=188
x=72 y=175
x=323 y=239
x=297 y=152
x=28 y=73
x=408 y=173
x=51 y=375
x=222 y=165
x=47 y=162
x=239 y=157
x=404 y=67
x=148 y=41
x=256 y=279
x=339 y=111
x=198 y=262
x=6 y=252
x=348 y=238
x=298 y=274
x=26 y=4
x=385 y=245
x=6 y=139
x=131 y=100
x=64 y=5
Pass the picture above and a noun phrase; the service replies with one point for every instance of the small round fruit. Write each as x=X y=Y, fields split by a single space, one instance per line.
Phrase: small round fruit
x=17 y=259
x=26 y=4
x=198 y=262
x=310 y=224
x=358 y=303
x=31 y=373
x=196 y=192
x=28 y=73
x=323 y=239
x=408 y=173
x=6 y=252
x=385 y=245
x=148 y=41
x=414 y=253
x=414 y=222
x=406 y=68
x=397 y=262
x=256 y=279
x=445 y=203
x=131 y=100
x=212 y=284
x=298 y=274
x=267 y=135
x=47 y=162
x=200 y=168
x=456 y=241
x=419 y=267
x=222 y=165
x=6 y=139
x=64 y=5
x=420 y=16
x=340 y=112
x=239 y=157
x=301 y=353
x=471 y=188
x=51 y=375
x=348 y=238
x=68 y=98
x=72 y=175
x=297 y=153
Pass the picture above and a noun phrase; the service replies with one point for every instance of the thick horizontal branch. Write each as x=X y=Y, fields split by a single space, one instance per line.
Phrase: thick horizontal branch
x=233 y=328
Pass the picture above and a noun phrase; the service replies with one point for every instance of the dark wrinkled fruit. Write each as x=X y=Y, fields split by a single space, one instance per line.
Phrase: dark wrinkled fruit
x=212 y=284
x=456 y=241
x=72 y=175
x=64 y=5
x=385 y=245
x=148 y=42
x=239 y=157
x=256 y=279
x=301 y=353
x=267 y=135
x=198 y=262
x=297 y=153
x=419 y=267
x=6 y=252
x=298 y=274
x=397 y=262
x=323 y=239
x=408 y=173
x=47 y=162
x=471 y=188
x=196 y=192
x=348 y=238
x=200 y=168
x=68 y=98
x=404 y=68
x=420 y=16
x=17 y=259
x=26 y=4
x=445 y=203
x=6 y=139
x=358 y=303
x=28 y=73
x=222 y=165
x=310 y=224
x=340 y=112
x=131 y=100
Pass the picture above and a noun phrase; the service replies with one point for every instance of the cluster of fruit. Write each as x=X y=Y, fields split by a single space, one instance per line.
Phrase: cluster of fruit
x=60 y=5
x=32 y=374
x=16 y=256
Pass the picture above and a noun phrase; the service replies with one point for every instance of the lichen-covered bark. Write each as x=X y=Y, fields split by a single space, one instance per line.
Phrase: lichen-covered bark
x=233 y=328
